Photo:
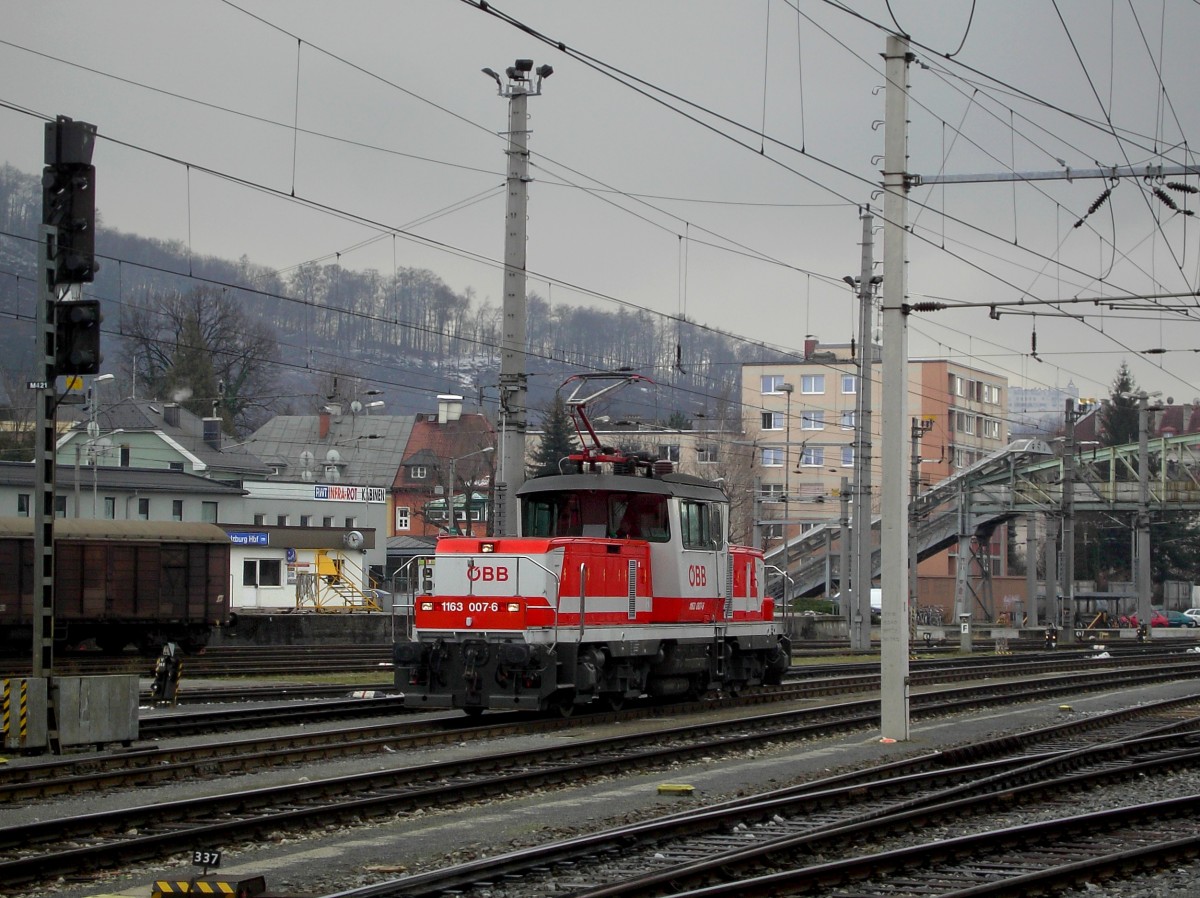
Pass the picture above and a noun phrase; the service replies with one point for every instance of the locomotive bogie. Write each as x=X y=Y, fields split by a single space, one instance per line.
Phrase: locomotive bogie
x=479 y=674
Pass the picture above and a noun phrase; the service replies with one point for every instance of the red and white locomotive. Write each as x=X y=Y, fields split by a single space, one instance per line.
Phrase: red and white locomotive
x=621 y=584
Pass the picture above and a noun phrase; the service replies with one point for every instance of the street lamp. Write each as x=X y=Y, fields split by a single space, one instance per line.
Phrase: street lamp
x=787 y=448
x=1142 y=542
x=93 y=432
x=452 y=520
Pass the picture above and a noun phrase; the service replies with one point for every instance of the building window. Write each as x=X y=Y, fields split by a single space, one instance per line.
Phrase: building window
x=110 y=508
x=305 y=520
x=261 y=572
x=208 y=512
x=812 y=420
x=23 y=505
x=176 y=509
x=143 y=511
x=813 y=384
x=706 y=455
x=260 y=520
x=403 y=518
x=771 y=492
x=772 y=458
x=125 y=455
x=849 y=384
x=772 y=421
x=772 y=531
x=351 y=522
x=281 y=520
x=418 y=472
x=847 y=420
x=812 y=456
x=669 y=453
x=772 y=383
x=176 y=466
x=847 y=456
x=60 y=506
x=327 y=522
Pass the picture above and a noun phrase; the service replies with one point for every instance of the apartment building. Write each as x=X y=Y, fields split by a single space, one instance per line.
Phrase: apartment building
x=800 y=418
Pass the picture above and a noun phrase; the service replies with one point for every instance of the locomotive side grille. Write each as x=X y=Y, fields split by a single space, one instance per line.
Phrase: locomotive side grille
x=728 y=588
x=632 y=588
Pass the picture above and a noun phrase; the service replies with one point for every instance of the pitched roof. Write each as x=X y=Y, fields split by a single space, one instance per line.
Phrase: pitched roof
x=433 y=443
x=146 y=480
x=181 y=428
x=362 y=449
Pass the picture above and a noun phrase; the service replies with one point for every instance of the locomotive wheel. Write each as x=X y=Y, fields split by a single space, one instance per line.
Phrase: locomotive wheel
x=473 y=711
x=613 y=701
x=565 y=707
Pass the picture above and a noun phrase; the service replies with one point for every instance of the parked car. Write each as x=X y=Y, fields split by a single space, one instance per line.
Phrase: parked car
x=1193 y=613
x=1157 y=619
x=1179 y=619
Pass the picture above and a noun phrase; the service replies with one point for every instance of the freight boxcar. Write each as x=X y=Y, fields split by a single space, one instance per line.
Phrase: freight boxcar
x=118 y=583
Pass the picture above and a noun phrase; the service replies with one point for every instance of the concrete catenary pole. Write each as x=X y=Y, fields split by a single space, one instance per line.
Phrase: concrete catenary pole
x=894 y=705
x=862 y=572
x=514 y=386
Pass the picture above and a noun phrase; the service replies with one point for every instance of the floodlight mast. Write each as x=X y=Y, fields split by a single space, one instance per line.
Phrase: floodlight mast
x=514 y=386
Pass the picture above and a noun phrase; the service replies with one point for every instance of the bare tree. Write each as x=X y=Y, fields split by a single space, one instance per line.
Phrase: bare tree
x=202 y=350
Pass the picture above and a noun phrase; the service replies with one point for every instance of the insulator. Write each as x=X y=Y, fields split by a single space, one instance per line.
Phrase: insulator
x=1099 y=201
x=1182 y=188
x=1165 y=198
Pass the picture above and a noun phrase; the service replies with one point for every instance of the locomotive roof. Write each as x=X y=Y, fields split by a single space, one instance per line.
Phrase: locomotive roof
x=683 y=485
x=150 y=531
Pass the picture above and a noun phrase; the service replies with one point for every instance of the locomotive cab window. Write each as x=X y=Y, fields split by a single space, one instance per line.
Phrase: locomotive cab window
x=701 y=523
x=639 y=516
x=552 y=514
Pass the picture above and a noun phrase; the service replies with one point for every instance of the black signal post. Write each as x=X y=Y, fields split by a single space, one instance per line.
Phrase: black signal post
x=68 y=337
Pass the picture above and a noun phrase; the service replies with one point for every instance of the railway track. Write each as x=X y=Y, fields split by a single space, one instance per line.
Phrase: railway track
x=265 y=661
x=769 y=844
x=71 y=775
x=37 y=849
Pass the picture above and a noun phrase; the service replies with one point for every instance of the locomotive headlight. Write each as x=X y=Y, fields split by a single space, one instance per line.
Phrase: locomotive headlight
x=514 y=606
x=427 y=606
x=487 y=547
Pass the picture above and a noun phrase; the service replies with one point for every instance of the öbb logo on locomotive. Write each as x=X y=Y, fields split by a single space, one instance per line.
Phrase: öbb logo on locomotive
x=487 y=573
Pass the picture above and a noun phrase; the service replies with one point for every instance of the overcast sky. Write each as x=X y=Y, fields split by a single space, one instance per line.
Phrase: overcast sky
x=710 y=161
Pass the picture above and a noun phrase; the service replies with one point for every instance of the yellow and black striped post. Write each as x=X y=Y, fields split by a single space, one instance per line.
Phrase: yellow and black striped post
x=5 y=711
x=23 y=716
x=242 y=888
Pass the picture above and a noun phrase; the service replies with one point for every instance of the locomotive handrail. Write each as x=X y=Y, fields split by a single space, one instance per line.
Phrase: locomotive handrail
x=415 y=582
x=582 y=603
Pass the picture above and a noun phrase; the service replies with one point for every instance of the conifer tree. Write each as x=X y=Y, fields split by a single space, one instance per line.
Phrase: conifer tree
x=558 y=440
x=1119 y=417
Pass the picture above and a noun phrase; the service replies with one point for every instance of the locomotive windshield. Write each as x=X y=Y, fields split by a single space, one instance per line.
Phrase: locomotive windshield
x=604 y=513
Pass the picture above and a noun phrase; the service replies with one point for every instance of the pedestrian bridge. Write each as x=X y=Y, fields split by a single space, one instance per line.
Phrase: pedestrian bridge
x=1026 y=477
